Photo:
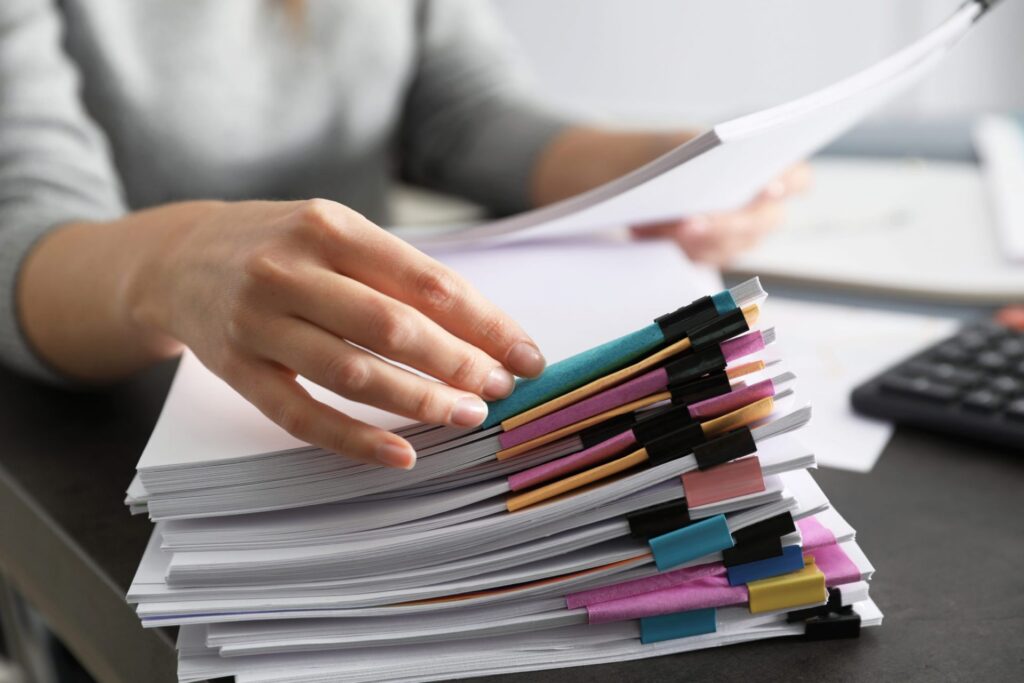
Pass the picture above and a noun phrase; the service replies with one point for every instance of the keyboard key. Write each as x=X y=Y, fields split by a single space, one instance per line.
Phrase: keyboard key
x=989 y=329
x=953 y=352
x=990 y=360
x=974 y=340
x=1004 y=384
x=1016 y=410
x=947 y=373
x=984 y=401
x=1012 y=348
x=922 y=387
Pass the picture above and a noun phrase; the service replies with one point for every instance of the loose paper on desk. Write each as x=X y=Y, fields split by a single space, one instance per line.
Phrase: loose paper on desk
x=832 y=349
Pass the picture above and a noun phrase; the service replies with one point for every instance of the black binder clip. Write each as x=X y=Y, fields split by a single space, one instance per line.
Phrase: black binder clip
x=677 y=324
x=674 y=444
x=692 y=366
x=735 y=444
x=773 y=527
x=718 y=330
x=655 y=425
x=752 y=551
x=658 y=519
x=759 y=541
x=591 y=436
x=830 y=621
x=693 y=391
x=833 y=627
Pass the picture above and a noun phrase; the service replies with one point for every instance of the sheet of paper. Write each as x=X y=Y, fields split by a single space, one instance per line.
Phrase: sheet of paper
x=832 y=349
x=727 y=166
x=907 y=226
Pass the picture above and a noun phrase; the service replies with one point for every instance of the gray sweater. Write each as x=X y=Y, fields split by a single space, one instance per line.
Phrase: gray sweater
x=112 y=105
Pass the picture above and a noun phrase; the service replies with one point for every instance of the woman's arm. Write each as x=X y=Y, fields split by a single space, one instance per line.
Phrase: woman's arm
x=261 y=291
x=265 y=291
x=54 y=164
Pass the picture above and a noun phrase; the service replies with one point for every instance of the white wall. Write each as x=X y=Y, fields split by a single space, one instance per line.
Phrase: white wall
x=661 y=61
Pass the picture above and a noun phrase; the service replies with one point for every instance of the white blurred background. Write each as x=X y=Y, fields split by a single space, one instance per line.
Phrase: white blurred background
x=665 y=61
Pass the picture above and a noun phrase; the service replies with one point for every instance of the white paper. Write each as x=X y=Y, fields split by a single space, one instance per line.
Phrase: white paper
x=727 y=166
x=832 y=349
x=905 y=226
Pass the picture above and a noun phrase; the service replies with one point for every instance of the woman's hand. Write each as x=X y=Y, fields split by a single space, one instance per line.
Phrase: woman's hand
x=265 y=291
x=719 y=238
x=581 y=158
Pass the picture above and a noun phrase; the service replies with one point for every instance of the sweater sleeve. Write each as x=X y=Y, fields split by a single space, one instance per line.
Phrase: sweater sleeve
x=55 y=166
x=471 y=126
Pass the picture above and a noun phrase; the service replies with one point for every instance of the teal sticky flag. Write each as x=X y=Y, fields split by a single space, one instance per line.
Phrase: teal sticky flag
x=690 y=542
x=575 y=371
x=678 y=625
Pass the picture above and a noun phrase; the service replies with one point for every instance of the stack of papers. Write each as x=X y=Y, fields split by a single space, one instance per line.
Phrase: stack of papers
x=646 y=496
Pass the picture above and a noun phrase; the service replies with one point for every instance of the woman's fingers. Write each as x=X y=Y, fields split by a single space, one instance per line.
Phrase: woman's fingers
x=274 y=391
x=351 y=310
x=718 y=238
x=360 y=376
x=355 y=247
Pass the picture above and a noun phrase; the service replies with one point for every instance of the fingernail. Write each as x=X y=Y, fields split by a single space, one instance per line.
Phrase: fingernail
x=697 y=225
x=469 y=411
x=525 y=360
x=395 y=455
x=500 y=384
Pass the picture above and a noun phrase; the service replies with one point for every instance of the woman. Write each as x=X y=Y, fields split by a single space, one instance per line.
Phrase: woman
x=134 y=137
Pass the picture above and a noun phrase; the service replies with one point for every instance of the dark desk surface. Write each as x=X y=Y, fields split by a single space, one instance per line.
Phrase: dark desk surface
x=940 y=519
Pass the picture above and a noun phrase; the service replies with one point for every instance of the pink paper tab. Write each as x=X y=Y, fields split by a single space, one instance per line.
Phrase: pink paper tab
x=723 y=482
x=836 y=565
x=744 y=345
x=636 y=388
x=572 y=463
x=626 y=589
x=814 y=534
x=717 y=406
x=710 y=591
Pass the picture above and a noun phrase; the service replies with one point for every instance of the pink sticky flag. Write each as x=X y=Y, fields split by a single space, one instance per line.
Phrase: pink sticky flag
x=744 y=345
x=572 y=463
x=814 y=533
x=723 y=482
x=837 y=567
x=647 y=584
x=734 y=400
x=635 y=389
x=710 y=591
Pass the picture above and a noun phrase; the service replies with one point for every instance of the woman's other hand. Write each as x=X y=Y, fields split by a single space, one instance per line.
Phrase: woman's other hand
x=720 y=237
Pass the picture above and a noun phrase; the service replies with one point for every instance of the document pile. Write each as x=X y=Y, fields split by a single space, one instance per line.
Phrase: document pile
x=647 y=496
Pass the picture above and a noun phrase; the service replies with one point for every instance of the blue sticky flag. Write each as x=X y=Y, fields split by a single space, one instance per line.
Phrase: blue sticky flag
x=791 y=560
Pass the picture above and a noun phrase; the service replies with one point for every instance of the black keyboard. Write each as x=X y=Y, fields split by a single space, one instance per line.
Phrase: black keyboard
x=971 y=384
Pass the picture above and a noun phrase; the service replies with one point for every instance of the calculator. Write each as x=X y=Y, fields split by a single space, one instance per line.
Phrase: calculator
x=971 y=384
